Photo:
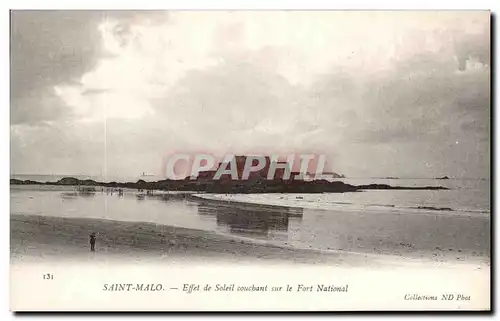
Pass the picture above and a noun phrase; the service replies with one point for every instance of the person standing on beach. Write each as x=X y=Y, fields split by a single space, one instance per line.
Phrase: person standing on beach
x=92 y=242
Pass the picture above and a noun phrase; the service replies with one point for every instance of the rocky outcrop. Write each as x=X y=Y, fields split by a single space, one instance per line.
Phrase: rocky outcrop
x=68 y=181
x=88 y=182
x=385 y=186
x=234 y=186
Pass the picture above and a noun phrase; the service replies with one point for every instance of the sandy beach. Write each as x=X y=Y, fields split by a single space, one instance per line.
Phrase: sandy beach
x=35 y=238
x=46 y=224
x=46 y=239
x=135 y=252
x=384 y=257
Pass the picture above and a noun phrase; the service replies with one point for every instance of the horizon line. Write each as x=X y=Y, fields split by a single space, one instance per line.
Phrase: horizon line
x=347 y=177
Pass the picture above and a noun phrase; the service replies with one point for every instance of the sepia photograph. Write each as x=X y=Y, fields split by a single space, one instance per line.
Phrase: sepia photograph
x=267 y=160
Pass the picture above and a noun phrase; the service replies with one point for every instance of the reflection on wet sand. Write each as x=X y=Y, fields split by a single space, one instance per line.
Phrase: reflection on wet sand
x=74 y=195
x=458 y=238
x=251 y=220
x=242 y=219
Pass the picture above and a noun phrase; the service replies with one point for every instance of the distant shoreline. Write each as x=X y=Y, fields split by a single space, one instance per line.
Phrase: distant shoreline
x=229 y=187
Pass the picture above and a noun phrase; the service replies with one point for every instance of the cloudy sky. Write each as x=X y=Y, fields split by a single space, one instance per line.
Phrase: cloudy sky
x=381 y=93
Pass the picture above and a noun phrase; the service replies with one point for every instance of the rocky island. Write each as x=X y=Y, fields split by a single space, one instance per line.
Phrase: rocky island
x=232 y=186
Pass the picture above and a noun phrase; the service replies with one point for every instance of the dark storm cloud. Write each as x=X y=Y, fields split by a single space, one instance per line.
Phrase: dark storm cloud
x=217 y=101
x=50 y=48
x=423 y=98
x=409 y=107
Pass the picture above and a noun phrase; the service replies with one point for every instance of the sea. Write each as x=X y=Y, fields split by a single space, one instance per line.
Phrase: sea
x=395 y=222
x=463 y=195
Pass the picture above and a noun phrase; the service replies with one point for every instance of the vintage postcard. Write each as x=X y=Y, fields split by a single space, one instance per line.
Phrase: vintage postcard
x=250 y=160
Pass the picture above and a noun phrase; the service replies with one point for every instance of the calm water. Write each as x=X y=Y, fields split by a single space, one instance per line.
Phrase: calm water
x=329 y=224
x=464 y=197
